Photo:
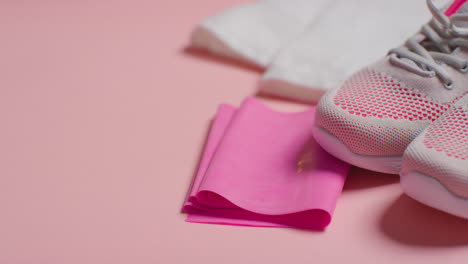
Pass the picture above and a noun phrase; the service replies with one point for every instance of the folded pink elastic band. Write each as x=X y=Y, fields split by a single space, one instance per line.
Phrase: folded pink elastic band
x=263 y=168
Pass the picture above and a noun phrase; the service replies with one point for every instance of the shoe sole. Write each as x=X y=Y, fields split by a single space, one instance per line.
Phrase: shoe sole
x=390 y=164
x=431 y=192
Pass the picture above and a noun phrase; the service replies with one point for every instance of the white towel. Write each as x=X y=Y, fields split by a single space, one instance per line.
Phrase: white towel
x=310 y=46
x=352 y=34
x=256 y=31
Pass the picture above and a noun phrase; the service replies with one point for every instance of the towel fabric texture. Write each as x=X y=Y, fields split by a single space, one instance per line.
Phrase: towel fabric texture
x=309 y=46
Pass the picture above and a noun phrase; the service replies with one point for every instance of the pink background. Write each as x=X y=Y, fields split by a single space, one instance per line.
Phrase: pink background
x=103 y=116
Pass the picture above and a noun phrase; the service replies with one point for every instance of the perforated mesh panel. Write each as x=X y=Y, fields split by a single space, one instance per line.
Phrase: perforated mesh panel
x=370 y=93
x=365 y=138
x=450 y=134
x=449 y=171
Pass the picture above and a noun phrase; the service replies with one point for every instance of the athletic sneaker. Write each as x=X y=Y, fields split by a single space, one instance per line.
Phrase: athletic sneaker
x=371 y=119
x=435 y=164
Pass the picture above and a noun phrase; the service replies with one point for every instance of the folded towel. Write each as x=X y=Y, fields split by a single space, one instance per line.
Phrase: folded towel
x=310 y=46
x=352 y=34
x=263 y=168
x=255 y=32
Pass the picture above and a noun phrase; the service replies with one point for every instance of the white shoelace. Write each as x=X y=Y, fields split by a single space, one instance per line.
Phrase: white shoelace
x=434 y=45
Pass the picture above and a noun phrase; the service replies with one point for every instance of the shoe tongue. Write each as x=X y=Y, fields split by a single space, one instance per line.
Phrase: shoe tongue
x=451 y=7
x=457 y=7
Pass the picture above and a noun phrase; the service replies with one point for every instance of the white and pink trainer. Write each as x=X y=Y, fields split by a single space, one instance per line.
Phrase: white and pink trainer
x=371 y=119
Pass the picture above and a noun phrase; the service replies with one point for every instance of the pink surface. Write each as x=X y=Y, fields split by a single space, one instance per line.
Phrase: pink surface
x=103 y=119
x=263 y=168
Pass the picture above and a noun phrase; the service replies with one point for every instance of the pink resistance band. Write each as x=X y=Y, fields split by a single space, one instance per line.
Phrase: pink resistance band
x=263 y=168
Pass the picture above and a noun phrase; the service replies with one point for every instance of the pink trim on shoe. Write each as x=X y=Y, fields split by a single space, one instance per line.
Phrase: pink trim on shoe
x=453 y=8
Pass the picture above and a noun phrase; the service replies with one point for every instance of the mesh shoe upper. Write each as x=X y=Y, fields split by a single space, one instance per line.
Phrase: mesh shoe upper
x=371 y=93
x=379 y=110
x=375 y=114
x=441 y=151
x=450 y=134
